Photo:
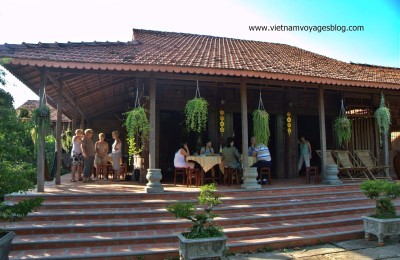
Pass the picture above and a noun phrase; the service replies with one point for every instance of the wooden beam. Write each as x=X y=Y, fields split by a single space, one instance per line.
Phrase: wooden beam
x=58 y=132
x=66 y=95
x=41 y=137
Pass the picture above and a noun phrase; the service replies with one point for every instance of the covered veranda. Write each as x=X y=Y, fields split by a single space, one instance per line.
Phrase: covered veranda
x=95 y=83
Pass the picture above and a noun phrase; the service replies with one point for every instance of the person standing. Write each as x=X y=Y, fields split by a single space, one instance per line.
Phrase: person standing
x=76 y=155
x=305 y=154
x=101 y=158
x=116 y=155
x=88 y=153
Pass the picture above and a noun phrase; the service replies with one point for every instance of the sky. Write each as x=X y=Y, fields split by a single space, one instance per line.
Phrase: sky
x=99 y=20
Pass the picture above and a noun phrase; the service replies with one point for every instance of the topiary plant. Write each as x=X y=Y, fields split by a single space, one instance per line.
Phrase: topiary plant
x=383 y=192
x=203 y=226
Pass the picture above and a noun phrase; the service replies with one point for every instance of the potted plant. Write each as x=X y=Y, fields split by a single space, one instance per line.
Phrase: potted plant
x=204 y=239
x=383 y=119
x=385 y=221
x=261 y=124
x=342 y=126
x=138 y=128
x=196 y=113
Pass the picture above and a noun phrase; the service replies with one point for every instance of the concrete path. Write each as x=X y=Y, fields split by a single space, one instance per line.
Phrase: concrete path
x=347 y=250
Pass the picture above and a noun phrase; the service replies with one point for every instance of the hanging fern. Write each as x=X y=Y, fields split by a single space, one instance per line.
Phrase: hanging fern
x=138 y=129
x=261 y=126
x=383 y=119
x=196 y=113
x=40 y=118
x=66 y=140
x=343 y=129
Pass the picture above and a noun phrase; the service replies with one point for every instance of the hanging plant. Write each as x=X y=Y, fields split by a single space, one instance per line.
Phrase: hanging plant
x=196 y=113
x=383 y=119
x=342 y=126
x=261 y=124
x=66 y=140
x=138 y=129
x=40 y=118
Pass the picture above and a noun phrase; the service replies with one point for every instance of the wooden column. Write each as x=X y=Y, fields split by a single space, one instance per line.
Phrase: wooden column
x=41 y=144
x=58 y=132
x=249 y=173
x=385 y=144
x=73 y=124
x=82 y=124
x=152 y=137
x=322 y=131
x=245 y=130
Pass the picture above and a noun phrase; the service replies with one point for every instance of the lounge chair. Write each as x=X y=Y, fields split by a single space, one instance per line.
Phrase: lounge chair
x=343 y=173
x=349 y=166
x=368 y=160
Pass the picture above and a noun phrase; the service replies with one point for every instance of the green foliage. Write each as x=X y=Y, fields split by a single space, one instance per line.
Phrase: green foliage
x=138 y=129
x=382 y=115
x=261 y=126
x=383 y=192
x=3 y=61
x=17 y=170
x=196 y=114
x=50 y=149
x=23 y=113
x=342 y=128
x=66 y=140
x=203 y=225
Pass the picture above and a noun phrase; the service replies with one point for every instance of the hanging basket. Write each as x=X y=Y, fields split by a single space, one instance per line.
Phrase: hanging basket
x=196 y=113
x=342 y=127
x=261 y=124
x=383 y=118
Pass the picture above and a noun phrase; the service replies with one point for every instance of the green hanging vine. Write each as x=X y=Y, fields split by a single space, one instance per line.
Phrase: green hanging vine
x=40 y=117
x=138 y=129
x=342 y=127
x=261 y=124
x=196 y=113
x=382 y=115
x=66 y=140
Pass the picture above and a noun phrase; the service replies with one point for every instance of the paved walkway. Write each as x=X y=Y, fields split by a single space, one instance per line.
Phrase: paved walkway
x=347 y=250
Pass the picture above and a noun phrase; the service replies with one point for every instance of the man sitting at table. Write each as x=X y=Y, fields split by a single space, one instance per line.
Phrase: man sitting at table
x=207 y=149
x=180 y=157
x=261 y=151
x=252 y=146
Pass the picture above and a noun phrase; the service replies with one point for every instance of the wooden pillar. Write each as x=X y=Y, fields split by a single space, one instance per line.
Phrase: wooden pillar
x=58 y=132
x=385 y=144
x=73 y=124
x=153 y=174
x=322 y=131
x=249 y=173
x=245 y=130
x=152 y=137
x=41 y=137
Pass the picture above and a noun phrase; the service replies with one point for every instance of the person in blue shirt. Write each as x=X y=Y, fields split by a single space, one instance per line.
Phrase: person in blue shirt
x=207 y=149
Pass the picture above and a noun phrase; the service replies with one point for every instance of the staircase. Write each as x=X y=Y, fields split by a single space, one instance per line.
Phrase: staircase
x=137 y=226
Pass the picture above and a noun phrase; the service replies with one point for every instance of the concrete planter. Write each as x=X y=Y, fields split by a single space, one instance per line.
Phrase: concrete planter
x=5 y=245
x=201 y=248
x=381 y=227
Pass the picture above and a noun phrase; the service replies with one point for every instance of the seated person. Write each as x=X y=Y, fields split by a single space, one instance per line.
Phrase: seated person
x=180 y=157
x=206 y=150
x=231 y=156
x=261 y=151
x=253 y=146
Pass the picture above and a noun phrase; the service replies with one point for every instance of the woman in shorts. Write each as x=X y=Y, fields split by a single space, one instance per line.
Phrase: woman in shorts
x=76 y=155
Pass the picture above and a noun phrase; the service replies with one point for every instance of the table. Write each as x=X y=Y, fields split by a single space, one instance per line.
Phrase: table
x=207 y=163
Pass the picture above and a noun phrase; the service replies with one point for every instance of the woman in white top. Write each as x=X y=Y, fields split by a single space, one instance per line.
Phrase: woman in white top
x=180 y=157
x=116 y=154
x=76 y=155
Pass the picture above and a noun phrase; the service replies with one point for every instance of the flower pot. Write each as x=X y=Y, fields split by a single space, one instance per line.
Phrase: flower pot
x=381 y=227
x=201 y=247
x=5 y=244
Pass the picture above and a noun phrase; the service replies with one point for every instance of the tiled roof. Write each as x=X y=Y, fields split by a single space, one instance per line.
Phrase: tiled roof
x=30 y=105
x=190 y=53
